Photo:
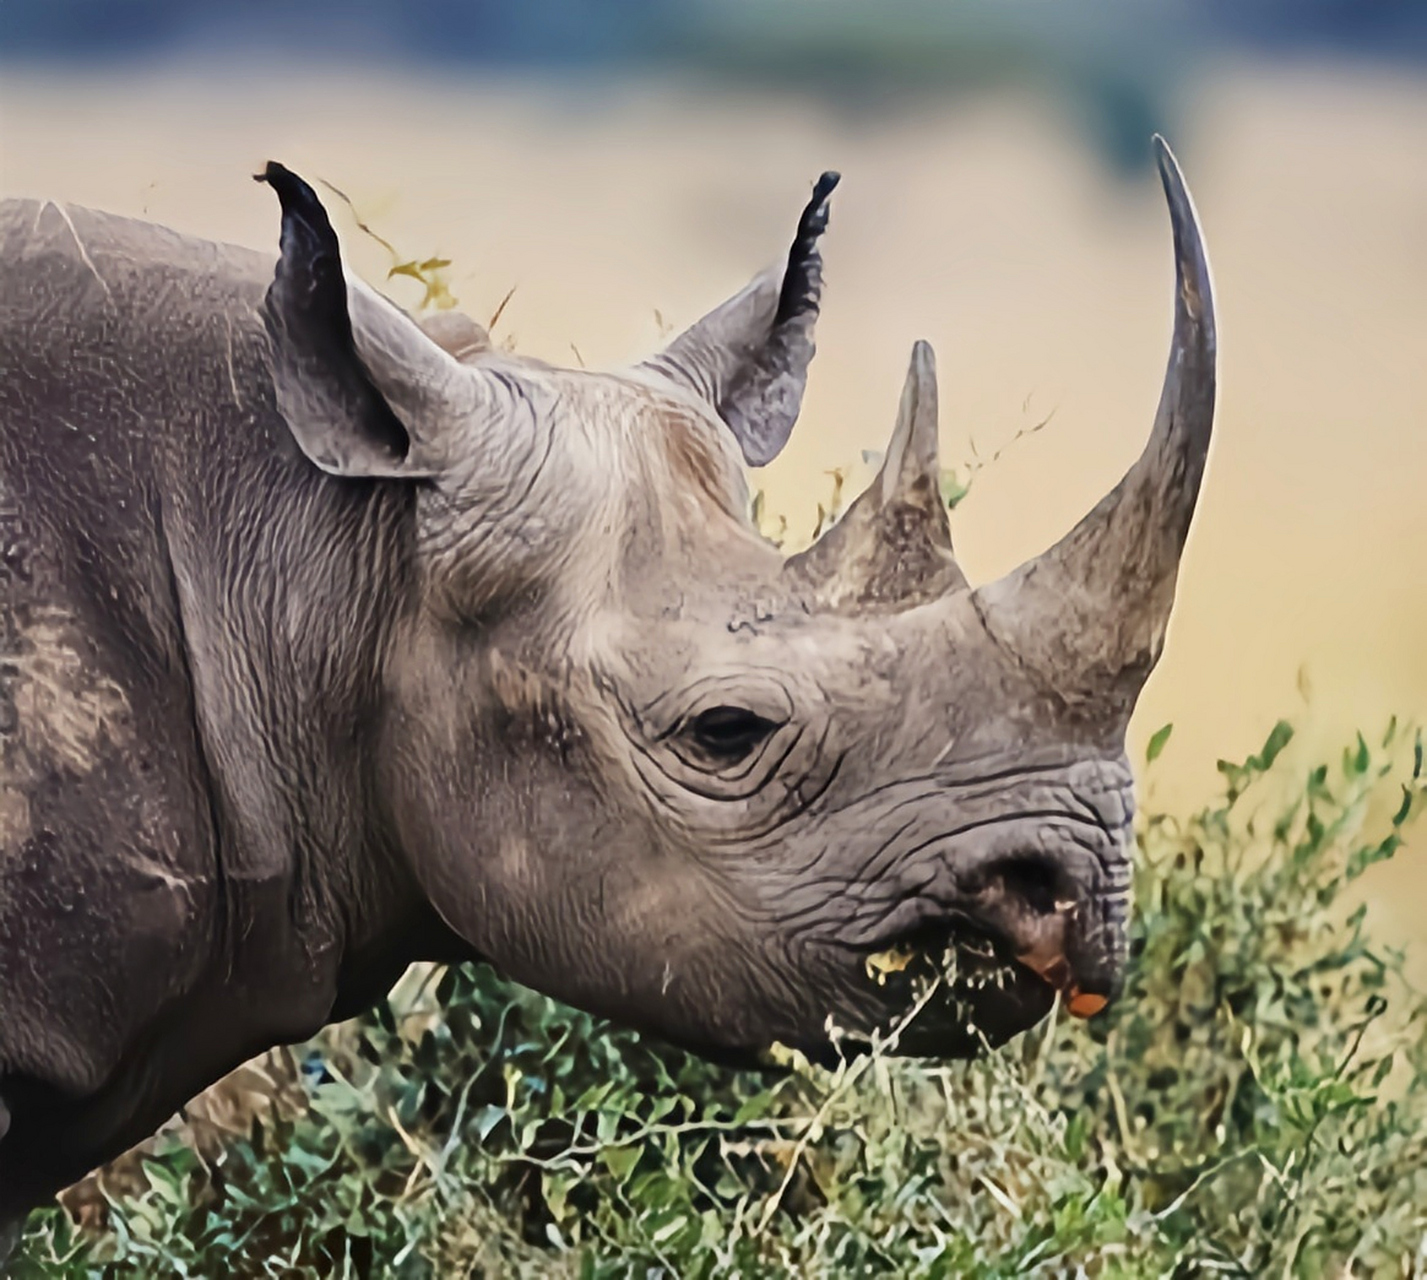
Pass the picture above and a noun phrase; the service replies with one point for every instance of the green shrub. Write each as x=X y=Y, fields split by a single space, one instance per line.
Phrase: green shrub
x=1256 y=1104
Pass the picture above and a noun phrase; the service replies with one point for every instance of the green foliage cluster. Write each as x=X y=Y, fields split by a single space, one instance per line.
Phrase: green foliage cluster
x=1256 y=1104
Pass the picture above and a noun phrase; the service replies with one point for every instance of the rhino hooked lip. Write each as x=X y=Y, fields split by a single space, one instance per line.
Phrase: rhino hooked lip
x=1054 y=931
x=1046 y=955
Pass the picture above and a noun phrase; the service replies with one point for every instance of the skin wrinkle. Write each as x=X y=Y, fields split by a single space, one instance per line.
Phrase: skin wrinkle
x=851 y=886
x=941 y=779
x=754 y=837
x=476 y=493
x=874 y=871
x=708 y=691
x=704 y=784
x=870 y=869
x=711 y=785
x=228 y=351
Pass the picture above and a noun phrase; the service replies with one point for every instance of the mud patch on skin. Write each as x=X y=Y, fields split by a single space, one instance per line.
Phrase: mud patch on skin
x=58 y=711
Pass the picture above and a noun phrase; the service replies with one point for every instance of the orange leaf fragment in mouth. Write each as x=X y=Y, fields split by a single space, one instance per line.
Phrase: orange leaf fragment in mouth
x=1055 y=969
x=1085 y=1004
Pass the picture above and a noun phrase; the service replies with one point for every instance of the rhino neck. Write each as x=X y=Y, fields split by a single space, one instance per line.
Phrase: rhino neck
x=288 y=596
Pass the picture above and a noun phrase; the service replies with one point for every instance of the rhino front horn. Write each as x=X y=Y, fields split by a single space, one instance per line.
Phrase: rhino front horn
x=1089 y=615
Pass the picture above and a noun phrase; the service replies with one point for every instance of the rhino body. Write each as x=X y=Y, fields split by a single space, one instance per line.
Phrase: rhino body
x=331 y=643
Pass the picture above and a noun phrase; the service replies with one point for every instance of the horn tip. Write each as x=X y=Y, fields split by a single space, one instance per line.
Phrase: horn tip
x=1192 y=260
x=917 y=415
x=1169 y=171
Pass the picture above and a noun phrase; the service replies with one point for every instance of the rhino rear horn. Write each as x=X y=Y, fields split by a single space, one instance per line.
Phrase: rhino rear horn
x=1090 y=613
x=894 y=544
x=749 y=358
x=363 y=389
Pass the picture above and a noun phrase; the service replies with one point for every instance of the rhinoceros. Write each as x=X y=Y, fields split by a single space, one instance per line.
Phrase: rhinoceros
x=334 y=640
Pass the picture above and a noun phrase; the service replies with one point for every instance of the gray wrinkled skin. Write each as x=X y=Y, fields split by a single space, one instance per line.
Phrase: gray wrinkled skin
x=331 y=643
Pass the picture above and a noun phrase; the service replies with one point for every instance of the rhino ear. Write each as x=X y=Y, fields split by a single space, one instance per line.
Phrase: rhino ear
x=363 y=389
x=749 y=358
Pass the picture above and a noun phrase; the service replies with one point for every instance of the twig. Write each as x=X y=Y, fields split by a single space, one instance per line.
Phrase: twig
x=848 y=1080
x=500 y=310
x=356 y=217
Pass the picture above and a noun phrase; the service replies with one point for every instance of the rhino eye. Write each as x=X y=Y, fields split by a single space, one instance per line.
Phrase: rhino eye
x=729 y=733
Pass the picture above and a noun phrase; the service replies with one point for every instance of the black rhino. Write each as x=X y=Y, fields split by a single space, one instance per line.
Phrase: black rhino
x=332 y=641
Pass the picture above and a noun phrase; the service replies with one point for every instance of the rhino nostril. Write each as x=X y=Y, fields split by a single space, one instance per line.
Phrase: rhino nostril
x=1033 y=882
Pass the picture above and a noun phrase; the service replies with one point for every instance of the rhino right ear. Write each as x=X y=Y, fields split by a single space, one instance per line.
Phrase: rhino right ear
x=749 y=358
x=363 y=389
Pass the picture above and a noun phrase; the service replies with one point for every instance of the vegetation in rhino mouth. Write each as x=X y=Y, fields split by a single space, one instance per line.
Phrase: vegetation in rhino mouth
x=961 y=958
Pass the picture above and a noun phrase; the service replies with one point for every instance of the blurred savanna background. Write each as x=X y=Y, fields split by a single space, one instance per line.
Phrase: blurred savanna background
x=595 y=175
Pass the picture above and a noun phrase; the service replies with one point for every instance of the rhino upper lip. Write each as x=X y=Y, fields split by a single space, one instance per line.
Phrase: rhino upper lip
x=1036 y=913
x=1046 y=956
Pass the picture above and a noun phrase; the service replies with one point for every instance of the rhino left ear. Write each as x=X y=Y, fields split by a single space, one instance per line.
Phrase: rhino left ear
x=363 y=389
x=749 y=358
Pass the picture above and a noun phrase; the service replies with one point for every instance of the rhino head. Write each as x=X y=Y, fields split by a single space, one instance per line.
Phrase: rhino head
x=646 y=763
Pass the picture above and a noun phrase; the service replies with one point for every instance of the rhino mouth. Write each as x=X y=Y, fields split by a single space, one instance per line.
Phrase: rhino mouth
x=960 y=984
x=953 y=989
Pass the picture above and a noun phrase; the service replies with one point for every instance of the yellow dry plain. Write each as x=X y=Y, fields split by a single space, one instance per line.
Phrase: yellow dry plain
x=983 y=224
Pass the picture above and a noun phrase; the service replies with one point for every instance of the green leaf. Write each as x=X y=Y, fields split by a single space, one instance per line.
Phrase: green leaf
x=1157 y=743
x=754 y=1108
x=1279 y=737
x=556 y=1187
x=621 y=1161
x=486 y=1120
x=953 y=488
x=1355 y=763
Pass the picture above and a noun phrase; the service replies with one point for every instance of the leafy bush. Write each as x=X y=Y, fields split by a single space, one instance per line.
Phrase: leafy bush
x=1255 y=1104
